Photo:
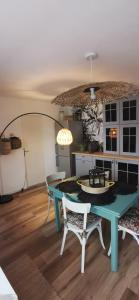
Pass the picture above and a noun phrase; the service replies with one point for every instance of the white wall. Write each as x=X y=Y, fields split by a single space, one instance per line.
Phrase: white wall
x=12 y=165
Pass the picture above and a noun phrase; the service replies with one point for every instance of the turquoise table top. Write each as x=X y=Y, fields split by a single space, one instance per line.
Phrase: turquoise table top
x=117 y=208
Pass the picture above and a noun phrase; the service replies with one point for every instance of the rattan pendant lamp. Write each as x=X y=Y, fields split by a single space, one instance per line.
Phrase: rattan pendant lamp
x=96 y=92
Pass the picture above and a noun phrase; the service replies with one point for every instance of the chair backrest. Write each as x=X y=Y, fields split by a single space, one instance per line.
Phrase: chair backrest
x=54 y=177
x=80 y=208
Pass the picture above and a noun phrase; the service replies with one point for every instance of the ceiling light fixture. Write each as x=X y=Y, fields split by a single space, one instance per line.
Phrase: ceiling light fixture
x=92 y=90
x=96 y=92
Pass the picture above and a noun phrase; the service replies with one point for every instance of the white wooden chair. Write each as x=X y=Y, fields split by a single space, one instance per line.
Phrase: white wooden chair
x=58 y=176
x=78 y=220
x=129 y=223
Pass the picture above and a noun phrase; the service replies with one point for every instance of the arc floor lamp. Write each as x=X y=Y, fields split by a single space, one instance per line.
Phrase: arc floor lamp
x=64 y=137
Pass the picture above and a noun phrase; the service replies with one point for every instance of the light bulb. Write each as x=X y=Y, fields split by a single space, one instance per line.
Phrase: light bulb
x=93 y=95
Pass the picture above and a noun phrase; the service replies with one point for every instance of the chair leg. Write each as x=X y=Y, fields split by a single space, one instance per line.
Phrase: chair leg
x=99 y=228
x=123 y=235
x=109 y=251
x=83 y=255
x=63 y=241
x=136 y=238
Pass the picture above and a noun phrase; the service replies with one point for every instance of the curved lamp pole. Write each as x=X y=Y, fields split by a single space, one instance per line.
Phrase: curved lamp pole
x=25 y=114
x=64 y=137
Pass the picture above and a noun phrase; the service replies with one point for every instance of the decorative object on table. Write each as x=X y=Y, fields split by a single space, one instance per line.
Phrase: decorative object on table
x=15 y=142
x=124 y=188
x=97 y=199
x=93 y=146
x=96 y=178
x=64 y=137
x=85 y=186
x=107 y=197
x=5 y=146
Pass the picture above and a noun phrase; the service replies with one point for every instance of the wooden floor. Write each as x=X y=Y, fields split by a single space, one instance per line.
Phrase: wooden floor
x=29 y=255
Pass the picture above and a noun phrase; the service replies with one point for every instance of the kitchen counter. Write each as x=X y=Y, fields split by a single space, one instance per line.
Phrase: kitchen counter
x=106 y=155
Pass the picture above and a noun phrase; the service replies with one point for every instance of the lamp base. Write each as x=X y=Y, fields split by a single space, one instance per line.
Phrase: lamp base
x=5 y=198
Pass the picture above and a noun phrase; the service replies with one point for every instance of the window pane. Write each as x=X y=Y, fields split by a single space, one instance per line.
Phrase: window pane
x=107 y=115
x=114 y=144
x=110 y=175
x=122 y=176
x=133 y=144
x=113 y=115
x=107 y=131
x=108 y=143
x=113 y=106
x=99 y=163
x=125 y=114
x=125 y=104
x=125 y=131
x=132 y=113
x=132 y=130
x=132 y=103
x=107 y=107
x=133 y=168
x=122 y=166
x=125 y=143
x=107 y=164
x=133 y=179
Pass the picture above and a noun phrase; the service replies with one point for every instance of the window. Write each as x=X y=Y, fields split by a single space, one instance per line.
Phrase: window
x=129 y=110
x=111 y=140
x=129 y=139
x=111 y=112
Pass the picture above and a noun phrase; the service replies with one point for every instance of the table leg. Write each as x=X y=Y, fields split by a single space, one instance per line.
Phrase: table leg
x=114 y=244
x=57 y=215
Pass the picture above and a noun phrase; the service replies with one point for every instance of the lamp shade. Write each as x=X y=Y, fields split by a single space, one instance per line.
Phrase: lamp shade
x=105 y=92
x=64 y=137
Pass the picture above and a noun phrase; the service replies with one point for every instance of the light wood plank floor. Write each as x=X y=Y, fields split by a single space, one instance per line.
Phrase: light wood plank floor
x=29 y=255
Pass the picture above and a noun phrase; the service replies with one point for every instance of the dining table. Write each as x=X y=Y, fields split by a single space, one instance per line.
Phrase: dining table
x=112 y=212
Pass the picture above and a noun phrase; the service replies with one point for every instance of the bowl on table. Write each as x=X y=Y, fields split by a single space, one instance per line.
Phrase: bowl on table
x=85 y=186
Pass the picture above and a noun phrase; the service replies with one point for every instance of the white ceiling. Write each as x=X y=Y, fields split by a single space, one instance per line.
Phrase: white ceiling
x=43 y=42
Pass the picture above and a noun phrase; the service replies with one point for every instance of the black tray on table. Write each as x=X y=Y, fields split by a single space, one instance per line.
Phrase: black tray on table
x=109 y=196
x=70 y=187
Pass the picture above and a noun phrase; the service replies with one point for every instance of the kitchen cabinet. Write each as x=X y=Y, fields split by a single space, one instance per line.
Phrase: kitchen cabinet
x=127 y=171
x=83 y=164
